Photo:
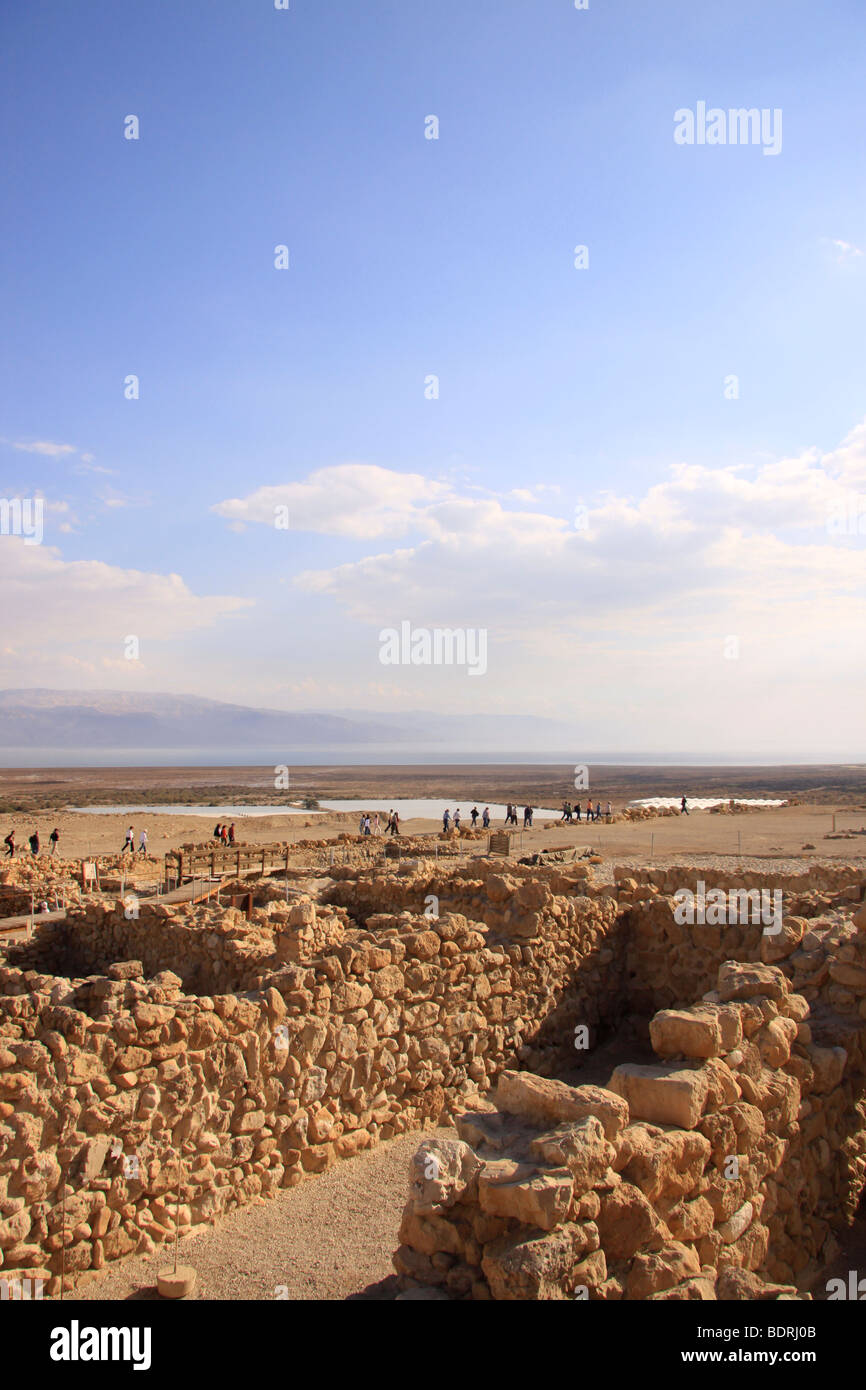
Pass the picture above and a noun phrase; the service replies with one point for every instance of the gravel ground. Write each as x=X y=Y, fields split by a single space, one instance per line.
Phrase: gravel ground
x=330 y=1238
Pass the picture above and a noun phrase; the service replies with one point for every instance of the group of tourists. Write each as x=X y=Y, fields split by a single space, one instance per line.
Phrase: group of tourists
x=449 y=821
x=572 y=813
x=368 y=826
x=129 y=842
x=511 y=816
x=224 y=833
x=33 y=841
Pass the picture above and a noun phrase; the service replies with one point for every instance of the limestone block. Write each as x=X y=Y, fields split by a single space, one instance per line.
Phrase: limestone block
x=852 y=976
x=828 y=1064
x=741 y=981
x=662 y=1095
x=699 y=1289
x=539 y=1266
x=781 y=944
x=581 y=1148
x=544 y=1100
x=443 y=1172
x=628 y=1223
x=661 y=1269
x=542 y=1199
x=733 y=1228
x=686 y=1032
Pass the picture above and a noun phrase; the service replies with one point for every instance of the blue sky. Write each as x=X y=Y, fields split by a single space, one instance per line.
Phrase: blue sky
x=453 y=257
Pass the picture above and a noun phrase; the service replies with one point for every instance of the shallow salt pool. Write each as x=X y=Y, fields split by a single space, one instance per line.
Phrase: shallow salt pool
x=406 y=810
x=702 y=803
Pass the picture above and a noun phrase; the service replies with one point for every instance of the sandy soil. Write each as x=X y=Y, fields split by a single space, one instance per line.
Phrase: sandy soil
x=781 y=831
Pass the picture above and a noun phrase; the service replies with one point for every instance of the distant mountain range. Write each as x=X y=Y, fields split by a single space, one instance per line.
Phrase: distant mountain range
x=116 y=720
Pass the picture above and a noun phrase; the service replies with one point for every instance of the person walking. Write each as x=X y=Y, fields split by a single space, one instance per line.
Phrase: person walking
x=485 y=817
x=367 y=825
x=34 y=843
x=508 y=814
x=142 y=843
x=457 y=819
x=598 y=810
x=216 y=831
x=395 y=828
x=232 y=833
x=684 y=807
x=129 y=842
x=9 y=842
x=474 y=816
x=446 y=820
x=527 y=817
x=609 y=812
x=377 y=829
x=589 y=810
x=577 y=812
x=224 y=835
x=54 y=840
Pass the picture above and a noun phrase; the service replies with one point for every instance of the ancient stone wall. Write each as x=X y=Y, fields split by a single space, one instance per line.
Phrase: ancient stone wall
x=830 y=877
x=716 y=1173
x=254 y=1052
x=673 y=962
x=504 y=896
x=108 y=1079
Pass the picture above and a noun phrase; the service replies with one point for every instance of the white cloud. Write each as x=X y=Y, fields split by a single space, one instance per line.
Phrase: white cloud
x=845 y=250
x=356 y=500
x=743 y=550
x=64 y=612
x=47 y=448
x=88 y=466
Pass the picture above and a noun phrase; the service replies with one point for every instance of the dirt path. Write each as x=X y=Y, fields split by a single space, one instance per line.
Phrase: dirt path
x=330 y=1238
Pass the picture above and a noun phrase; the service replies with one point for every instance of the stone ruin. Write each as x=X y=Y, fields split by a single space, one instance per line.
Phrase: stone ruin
x=706 y=1144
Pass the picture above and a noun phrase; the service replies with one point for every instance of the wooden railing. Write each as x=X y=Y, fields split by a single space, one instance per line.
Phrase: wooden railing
x=183 y=864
